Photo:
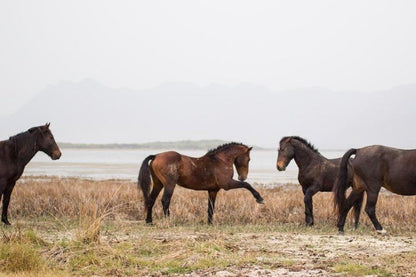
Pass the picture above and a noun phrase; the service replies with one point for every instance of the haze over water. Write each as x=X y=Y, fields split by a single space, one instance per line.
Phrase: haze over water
x=124 y=164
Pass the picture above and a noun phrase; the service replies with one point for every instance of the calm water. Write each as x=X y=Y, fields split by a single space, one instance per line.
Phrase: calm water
x=124 y=164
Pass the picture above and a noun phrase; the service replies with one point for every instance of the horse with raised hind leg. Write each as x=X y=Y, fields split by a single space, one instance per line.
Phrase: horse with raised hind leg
x=316 y=172
x=374 y=167
x=211 y=172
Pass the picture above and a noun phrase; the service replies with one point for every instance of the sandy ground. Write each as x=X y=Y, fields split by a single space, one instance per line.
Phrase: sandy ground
x=285 y=254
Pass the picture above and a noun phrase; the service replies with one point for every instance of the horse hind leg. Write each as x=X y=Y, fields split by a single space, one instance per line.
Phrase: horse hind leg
x=355 y=198
x=370 y=209
x=157 y=187
x=167 y=195
x=357 y=209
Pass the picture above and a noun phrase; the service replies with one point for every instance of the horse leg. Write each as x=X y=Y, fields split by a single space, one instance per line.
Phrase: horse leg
x=233 y=184
x=370 y=209
x=157 y=187
x=357 y=209
x=212 y=195
x=353 y=198
x=167 y=195
x=308 y=194
x=6 y=201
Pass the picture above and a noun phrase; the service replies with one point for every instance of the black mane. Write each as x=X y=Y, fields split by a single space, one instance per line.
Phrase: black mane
x=302 y=140
x=224 y=147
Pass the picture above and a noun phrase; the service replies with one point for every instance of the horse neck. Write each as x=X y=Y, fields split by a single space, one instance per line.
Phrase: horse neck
x=231 y=154
x=25 y=148
x=304 y=155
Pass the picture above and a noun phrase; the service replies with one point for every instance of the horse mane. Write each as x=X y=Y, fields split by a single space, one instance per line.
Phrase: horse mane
x=303 y=141
x=21 y=139
x=224 y=146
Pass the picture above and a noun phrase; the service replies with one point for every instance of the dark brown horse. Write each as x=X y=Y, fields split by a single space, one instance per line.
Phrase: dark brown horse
x=15 y=154
x=374 y=167
x=316 y=173
x=211 y=172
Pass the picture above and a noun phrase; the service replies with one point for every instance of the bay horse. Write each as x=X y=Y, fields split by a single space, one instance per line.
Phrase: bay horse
x=316 y=173
x=211 y=172
x=16 y=153
x=374 y=167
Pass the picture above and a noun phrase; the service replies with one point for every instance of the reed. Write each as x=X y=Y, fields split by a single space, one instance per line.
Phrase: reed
x=74 y=198
x=70 y=226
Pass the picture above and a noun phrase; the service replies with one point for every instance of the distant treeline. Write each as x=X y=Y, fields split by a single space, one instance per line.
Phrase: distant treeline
x=183 y=144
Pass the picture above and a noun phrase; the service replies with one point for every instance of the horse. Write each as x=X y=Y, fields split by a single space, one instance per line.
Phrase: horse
x=16 y=153
x=211 y=172
x=316 y=173
x=374 y=167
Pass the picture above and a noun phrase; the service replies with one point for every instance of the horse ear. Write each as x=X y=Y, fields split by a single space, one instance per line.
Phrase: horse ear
x=47 y=124
x=250 y=149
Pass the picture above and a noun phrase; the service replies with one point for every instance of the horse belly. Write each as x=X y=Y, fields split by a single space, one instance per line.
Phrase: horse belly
x=401 y=187
x=401 y=179
x=196 y=184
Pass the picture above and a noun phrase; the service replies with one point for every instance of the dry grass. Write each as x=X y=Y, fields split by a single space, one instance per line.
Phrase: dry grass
x=69 y=226
x=120 y=199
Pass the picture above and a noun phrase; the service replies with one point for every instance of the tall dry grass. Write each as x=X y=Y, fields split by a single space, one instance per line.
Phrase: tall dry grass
x=121 y=199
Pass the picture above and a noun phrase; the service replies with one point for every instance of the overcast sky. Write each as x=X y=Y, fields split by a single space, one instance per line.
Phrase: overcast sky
x=340 y=45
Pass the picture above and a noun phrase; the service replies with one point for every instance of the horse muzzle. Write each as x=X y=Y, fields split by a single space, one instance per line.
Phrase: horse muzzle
x=56 y=155
x=280 y=166
x=242 y=178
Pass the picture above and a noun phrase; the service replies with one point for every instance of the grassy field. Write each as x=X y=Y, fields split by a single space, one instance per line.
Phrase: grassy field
x=72 y=226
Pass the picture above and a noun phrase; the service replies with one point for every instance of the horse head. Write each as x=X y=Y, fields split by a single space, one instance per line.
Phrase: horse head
x=45 y=141
x=286 y=153
x=241 y=163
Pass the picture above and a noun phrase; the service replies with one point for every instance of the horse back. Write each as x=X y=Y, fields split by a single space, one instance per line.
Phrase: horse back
x=392 y=168
x=199 y=173
x=189 y=172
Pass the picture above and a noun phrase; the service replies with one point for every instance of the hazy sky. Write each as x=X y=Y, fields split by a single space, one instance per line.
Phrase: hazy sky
x=341 y=45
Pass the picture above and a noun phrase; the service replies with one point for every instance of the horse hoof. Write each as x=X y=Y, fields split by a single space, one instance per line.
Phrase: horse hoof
x=260 y=201
x=6 y=222
x=382 y=232
x=341 y=233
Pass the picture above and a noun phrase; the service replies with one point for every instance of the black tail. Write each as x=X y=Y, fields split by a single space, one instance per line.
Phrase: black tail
x=341 y=183
x=144 y=180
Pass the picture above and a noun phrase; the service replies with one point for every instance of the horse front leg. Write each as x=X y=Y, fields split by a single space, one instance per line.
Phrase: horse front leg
x=6 y=200
x=370 y=209
x=309 y=192
x=212 y=195
x=233 y=184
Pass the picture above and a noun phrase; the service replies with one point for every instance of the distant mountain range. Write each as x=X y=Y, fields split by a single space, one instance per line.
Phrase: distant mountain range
x=88 y=112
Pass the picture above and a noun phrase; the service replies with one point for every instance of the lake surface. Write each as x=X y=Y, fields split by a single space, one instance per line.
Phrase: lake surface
x=124 y=164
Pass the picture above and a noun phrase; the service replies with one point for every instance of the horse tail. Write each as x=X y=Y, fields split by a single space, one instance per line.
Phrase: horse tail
x=144 y=180
x=341 y=184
